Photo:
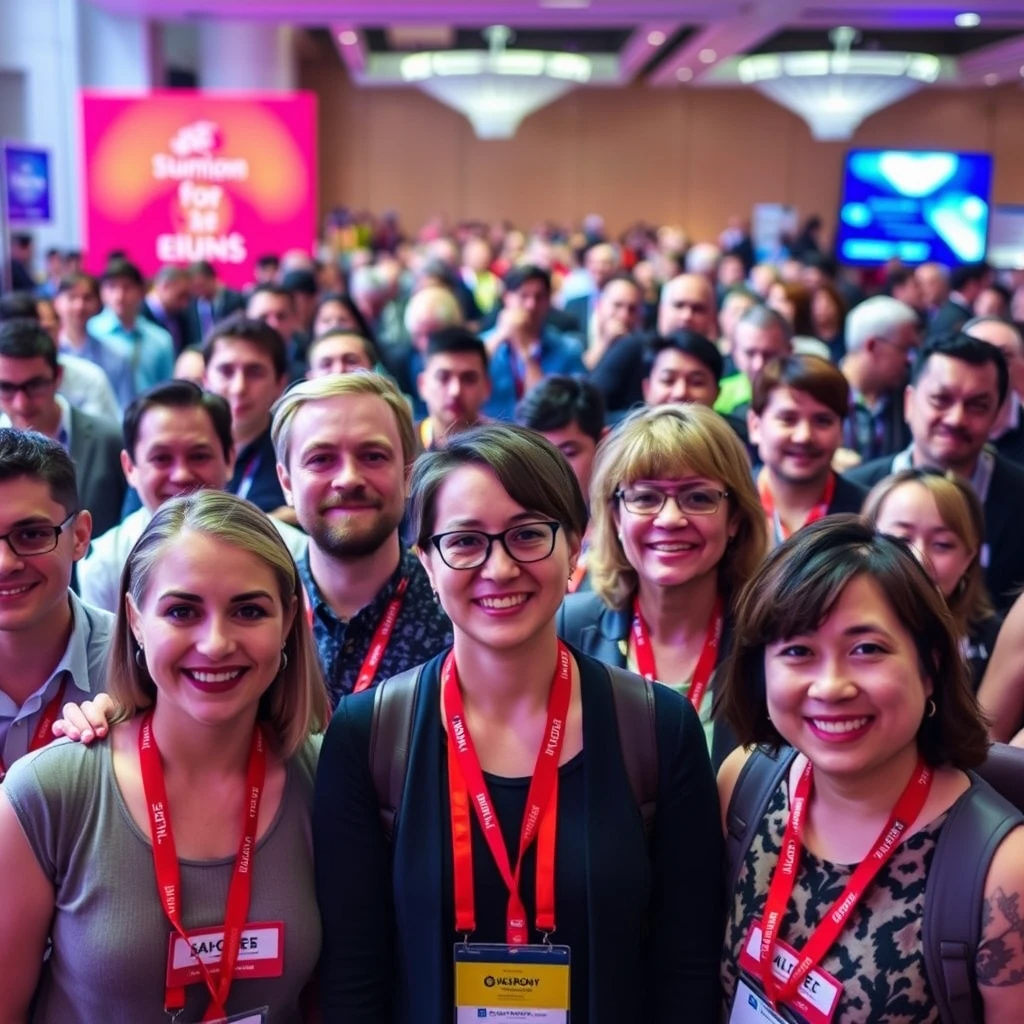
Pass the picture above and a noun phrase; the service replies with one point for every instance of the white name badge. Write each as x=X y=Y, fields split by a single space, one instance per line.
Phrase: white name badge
x=750 y=1007
x=511 y=983
x=260 y=955
x=260 y=1016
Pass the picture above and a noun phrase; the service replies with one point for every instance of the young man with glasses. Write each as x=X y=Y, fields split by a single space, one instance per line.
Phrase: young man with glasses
x=30 y=377
x=53 y=648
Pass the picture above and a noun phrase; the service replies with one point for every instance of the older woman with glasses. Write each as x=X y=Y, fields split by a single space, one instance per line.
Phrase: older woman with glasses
x=517 y=874
x=677 y=529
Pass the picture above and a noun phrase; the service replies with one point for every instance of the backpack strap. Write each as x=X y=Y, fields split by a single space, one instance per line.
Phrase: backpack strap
x=394 y=708
x=758 y=779
x=633 y=698
x=951 y=924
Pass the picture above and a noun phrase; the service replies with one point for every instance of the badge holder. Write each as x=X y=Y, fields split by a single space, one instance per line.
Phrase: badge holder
x=522 y=983
x=260 y=1016
x=750 y=1006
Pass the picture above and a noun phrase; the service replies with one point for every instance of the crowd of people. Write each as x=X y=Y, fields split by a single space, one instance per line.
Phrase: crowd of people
x=399 y=612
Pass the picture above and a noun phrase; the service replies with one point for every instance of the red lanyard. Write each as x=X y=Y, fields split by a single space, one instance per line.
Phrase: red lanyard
x=381 y=638
x=466 y=785
x=904 y=814
x=168 y=873
x=44 y=730
x=705 y=663
x=768 y=504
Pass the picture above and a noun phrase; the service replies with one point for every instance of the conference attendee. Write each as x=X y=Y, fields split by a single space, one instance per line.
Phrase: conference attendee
x=882 y=335
x=304 y=290
x=53 y=648
x=902 y=284
x=940 y=517
x=46 y=313
x=275 y=306
x=796 y=424
x=498 y=518
x=957 y=387
x=247 y=365
x=677 y=529
x=687 y=303
x=336 y=311
x=340 y=350
x=177 y=439
x=266 y=271
x=454 y=385
x=344 y=447
x=190 y=365
x=993 y=301
x=211 y=301
x=121 y=323
x=735 y=303
x=851 y=698
x=618 y=313
x=1007 y=434
x=682 y=367
x=22 y=275
x=793 y=301
x=523 y=348
x=477 y=257
x=77 y=300
x=933 y=281
x=30 y=382
x=761 y=334
x=966 y=283
x=1001 y=694
x=600 y=264
x=53 y=273
x=373 y=291
x=828 y=315
x=166 y=304
x=213 y=669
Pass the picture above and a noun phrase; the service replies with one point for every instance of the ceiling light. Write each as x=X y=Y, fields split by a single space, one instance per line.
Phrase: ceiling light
x=707 y=56
x=1022 y=71
x=991 y=79
x=656 y=38
x=967 y=20
x=348 y=38
x=684 y=74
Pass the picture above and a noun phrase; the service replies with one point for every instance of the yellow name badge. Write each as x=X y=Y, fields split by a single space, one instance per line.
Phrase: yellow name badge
x=511 y=983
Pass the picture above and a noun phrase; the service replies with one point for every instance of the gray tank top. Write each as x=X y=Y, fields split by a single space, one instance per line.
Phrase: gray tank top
x=109 y=933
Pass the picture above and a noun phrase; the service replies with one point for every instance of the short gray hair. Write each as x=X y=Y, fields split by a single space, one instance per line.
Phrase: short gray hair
x=877 y=317
x=764 y=318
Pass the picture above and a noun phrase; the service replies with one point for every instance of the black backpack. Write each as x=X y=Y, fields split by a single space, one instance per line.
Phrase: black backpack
x=394 y=710
x=951 y=924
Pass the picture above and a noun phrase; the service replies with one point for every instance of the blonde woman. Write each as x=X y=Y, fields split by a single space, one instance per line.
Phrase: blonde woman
x=187 y=834
x=677 y=529
x=940 y=517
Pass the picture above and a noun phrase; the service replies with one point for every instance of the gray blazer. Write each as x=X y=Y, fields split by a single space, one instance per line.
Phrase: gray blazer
x=96 y=450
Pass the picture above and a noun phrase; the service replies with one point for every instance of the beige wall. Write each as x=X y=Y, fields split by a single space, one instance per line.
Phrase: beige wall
x=685 y=156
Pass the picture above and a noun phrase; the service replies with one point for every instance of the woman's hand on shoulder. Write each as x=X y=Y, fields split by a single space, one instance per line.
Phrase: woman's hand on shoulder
x=86 y=722
x=728 y=774
x=1000 y=960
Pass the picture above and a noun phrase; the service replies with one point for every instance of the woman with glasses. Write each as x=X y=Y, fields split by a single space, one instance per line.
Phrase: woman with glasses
x=517 y=875
x=940 y=517
x=677 y=529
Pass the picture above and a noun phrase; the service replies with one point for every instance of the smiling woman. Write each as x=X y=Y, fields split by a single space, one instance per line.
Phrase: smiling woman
x=518 y=821
x=213 y=667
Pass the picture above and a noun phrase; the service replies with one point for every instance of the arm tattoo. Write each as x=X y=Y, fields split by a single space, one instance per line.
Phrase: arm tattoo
x=1000 y=960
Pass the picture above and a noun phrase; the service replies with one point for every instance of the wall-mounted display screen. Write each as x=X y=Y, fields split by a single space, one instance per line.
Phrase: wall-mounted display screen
x=914 y=206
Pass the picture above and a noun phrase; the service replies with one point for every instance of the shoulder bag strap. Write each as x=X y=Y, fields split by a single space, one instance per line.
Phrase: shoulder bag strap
x=394 y=707
x=633 y=698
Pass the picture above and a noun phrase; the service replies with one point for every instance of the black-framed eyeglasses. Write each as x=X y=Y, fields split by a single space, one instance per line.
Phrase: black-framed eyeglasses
x=37 y=387
x=691 y=501
x=469 y=549
x=35 y=538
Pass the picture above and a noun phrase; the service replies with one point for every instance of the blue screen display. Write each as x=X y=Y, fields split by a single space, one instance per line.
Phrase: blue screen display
x=914 y=206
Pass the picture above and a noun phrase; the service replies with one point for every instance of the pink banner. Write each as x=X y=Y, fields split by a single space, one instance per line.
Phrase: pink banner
x=177 y=176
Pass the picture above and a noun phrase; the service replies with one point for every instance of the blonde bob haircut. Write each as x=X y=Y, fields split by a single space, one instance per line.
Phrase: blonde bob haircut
x=295 y=706
x=663 y=443
x=342 y=385
x=962 y=513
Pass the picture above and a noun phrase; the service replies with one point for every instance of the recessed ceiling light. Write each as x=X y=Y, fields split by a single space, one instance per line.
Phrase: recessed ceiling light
x=564 y=4
x=655 y=38
x=684 y=74
x=967 y=20
x=707 y=56
x=1022 y=71
x=991 y=79
x=348 y=38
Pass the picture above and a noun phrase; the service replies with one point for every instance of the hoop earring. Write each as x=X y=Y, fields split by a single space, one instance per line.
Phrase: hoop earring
x=930 y=708
x=284 y=661
x=140 y=657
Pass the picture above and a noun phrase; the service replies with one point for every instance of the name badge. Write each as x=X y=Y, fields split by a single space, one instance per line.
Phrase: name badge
x=818 y=995
x=260 y=1016
x=511 y=983
x=751 y=1007
x=260 y=955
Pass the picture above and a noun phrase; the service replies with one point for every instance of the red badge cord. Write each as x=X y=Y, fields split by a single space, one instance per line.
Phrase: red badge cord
x=168 y=873
x=381 y=637
x=904 y=814
x=466 y=785
x=768 y=504
x=705 y=663
x=44 y=730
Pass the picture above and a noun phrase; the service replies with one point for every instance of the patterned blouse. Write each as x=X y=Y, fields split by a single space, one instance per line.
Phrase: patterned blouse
x=878 y=958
